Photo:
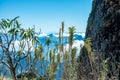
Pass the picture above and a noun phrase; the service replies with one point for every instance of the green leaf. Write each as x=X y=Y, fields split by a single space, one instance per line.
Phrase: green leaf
x=16 y=32
x=19 y=53
x=48 y=41
x=55 y=66
x=53 y=58
x=5 y=23
x=11 y=31
x=32 y=42
x=22 y=32
x=48 y=69
x=50 y=55
x=9 y=24
x=17 y=24
x=42 y=59
x=66 y=56
x=37 y=40
x=24 y=36
x=58 y=57
x=54 y=50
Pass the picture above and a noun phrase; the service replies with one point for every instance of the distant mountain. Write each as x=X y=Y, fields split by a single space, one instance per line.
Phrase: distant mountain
x=54 y=36
x=77 y=40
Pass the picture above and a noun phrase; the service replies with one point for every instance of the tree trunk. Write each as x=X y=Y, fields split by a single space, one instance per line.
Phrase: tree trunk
x=14 y=74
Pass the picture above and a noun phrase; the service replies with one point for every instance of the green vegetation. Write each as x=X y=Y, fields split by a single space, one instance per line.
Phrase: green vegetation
x=95 y=65
x=70 y=60
x=88 y=45
x=11 y=57
x=71 y=32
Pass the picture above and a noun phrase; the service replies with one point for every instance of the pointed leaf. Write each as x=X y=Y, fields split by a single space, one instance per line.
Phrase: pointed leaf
x=32 y=42
x=19 y=53
x=11 y=31
x=17 y=24
x=9 y=24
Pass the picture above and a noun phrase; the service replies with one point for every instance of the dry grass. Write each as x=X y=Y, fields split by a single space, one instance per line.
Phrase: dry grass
x=5 y=78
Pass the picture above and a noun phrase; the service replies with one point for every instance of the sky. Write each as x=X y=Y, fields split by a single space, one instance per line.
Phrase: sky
x=47 y=15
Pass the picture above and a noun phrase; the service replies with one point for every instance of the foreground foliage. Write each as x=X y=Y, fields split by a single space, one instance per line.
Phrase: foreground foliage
x=28 y=45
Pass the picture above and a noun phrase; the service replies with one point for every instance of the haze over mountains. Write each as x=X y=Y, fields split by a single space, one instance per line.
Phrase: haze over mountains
x=77 y=40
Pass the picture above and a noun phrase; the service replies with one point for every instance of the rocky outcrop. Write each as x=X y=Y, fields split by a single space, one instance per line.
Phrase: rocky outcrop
x=104 y=31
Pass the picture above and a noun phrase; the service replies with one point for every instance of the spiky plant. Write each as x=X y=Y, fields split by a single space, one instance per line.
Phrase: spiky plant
x=71 y=35
x=48 y=41
x=62 y=36
x=73 y=55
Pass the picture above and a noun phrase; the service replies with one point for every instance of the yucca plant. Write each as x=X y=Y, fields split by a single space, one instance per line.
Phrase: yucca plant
x=62 y=37
x=48 y=41
x=73 y=55
x=54 y=62
x=71 y=35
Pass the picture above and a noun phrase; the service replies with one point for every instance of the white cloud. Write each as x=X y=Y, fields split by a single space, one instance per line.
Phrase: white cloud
x=66 y=34
x=76 y=44
x=17 y=44
x=42 y=35
x=56 y=35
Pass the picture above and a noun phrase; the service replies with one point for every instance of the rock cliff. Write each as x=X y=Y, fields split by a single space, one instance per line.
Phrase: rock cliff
x=102 y=61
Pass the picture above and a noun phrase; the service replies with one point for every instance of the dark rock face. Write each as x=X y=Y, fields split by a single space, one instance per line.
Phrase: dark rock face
x=104 y=30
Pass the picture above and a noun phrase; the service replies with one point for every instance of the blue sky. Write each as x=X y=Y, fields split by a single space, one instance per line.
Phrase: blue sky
x=48 y=14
